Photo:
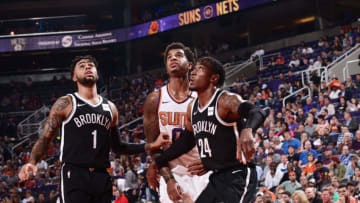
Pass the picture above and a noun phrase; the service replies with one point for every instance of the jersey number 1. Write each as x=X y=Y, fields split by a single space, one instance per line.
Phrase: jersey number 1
x=94 y=133
x=204 y=146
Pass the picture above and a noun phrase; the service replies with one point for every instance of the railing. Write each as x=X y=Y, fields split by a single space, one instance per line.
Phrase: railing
x=130 y=123
x=235 y=69
x=33 y=123
x=350 y=51
x=294 y=93
x=19 y=144
x=346 y=69
x=306 y=75
x=266 y=56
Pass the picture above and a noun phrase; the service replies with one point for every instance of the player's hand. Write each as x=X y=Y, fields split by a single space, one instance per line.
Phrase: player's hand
x=152 y=176
x=174 y=190
x=161 y=140
x=245 y=146
x=196 y=168
x=25 y=171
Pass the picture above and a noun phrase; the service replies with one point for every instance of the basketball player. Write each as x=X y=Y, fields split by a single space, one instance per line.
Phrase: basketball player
x=165 y=113
x=215 y=120
x=88 y=125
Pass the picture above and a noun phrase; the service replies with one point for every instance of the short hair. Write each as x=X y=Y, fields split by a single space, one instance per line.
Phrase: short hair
x=286 y=193
x=216 y=67
x=343 y=185
x=178 y=45
x=348 y=112
x=78 y=58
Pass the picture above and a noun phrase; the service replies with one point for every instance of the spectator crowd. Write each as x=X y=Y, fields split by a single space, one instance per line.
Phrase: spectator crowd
x=306 y=151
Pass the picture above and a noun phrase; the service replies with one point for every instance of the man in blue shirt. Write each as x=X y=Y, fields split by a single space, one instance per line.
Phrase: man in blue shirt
x=303 y=155
x=345 y=155
x=290 y=141
x=308 y=105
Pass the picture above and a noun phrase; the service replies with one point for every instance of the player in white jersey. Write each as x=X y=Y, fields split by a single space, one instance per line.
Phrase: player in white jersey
x=165 y=112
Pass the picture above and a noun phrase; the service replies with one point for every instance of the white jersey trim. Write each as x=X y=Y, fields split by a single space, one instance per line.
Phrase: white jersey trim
x=209 y=102
x=72 y=110
x=64 y=123
x=62 y=183
x=87 y=101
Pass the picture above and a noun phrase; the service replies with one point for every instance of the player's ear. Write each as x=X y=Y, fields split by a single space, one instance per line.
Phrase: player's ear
x=73 y=77
x=215 y=78
x=190 y=66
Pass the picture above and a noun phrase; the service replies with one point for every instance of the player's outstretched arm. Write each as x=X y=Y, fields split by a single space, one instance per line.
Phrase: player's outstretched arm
x=152 y=132
x=232 y=108
x=59 y=111
x=183 y=145
x=130 y=148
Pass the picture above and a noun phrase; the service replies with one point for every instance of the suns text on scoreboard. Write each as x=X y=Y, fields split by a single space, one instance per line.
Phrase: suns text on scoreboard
x=195 y=15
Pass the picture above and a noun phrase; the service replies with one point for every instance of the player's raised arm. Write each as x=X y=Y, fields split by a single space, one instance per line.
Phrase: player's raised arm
x=129 y=148
x=232 y=108
x=58 y=113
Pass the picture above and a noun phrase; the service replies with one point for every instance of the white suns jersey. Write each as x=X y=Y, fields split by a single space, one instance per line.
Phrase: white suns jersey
x=172 y=120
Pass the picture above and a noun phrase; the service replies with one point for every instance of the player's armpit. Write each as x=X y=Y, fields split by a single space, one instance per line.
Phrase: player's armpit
x=188 y=117
x=115 y=114
x=58 y=113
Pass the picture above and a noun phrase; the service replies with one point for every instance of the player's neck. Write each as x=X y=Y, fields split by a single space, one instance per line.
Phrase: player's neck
x=89 y=93
x=179 y=85
x=205 y=95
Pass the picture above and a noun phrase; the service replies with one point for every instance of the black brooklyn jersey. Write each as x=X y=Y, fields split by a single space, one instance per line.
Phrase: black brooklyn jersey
x=215 y=138
x=85 y=133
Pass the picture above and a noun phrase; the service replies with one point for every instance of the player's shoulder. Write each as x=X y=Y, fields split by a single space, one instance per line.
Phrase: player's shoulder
x=62 y=105
x=63 y=101
x=152 y=98
x=226 y=95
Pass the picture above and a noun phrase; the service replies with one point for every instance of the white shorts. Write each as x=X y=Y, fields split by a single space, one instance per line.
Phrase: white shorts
x=191 y=185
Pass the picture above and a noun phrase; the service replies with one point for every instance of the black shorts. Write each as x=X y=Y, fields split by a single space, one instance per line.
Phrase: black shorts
x=85 y=185
x=233 y=185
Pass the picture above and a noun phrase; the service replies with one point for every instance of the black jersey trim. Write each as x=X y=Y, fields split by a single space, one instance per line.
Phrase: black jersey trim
x=201 y=110
x=87 y=102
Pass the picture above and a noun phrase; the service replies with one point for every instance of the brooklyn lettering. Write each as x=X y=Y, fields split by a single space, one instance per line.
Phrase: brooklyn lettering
x=204 y=126
x=92 y=119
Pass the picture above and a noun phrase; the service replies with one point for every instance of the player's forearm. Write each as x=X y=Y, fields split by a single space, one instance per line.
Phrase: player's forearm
x=120 y=147
x=184 y=144
x=39 y=150
x=164 y=171
x=255 y=116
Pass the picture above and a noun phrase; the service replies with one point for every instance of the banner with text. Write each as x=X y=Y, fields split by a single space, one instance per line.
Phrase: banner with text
x=125 y=34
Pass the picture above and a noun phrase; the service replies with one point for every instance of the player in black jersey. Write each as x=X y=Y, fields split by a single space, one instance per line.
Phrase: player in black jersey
x=88 y=125
x=221 y=124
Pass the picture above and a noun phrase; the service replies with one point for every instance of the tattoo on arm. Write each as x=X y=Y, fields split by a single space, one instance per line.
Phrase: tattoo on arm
x=50 y=130
x=228 y=107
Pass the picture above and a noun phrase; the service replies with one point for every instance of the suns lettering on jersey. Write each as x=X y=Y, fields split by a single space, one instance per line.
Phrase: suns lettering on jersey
x=172 y=118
